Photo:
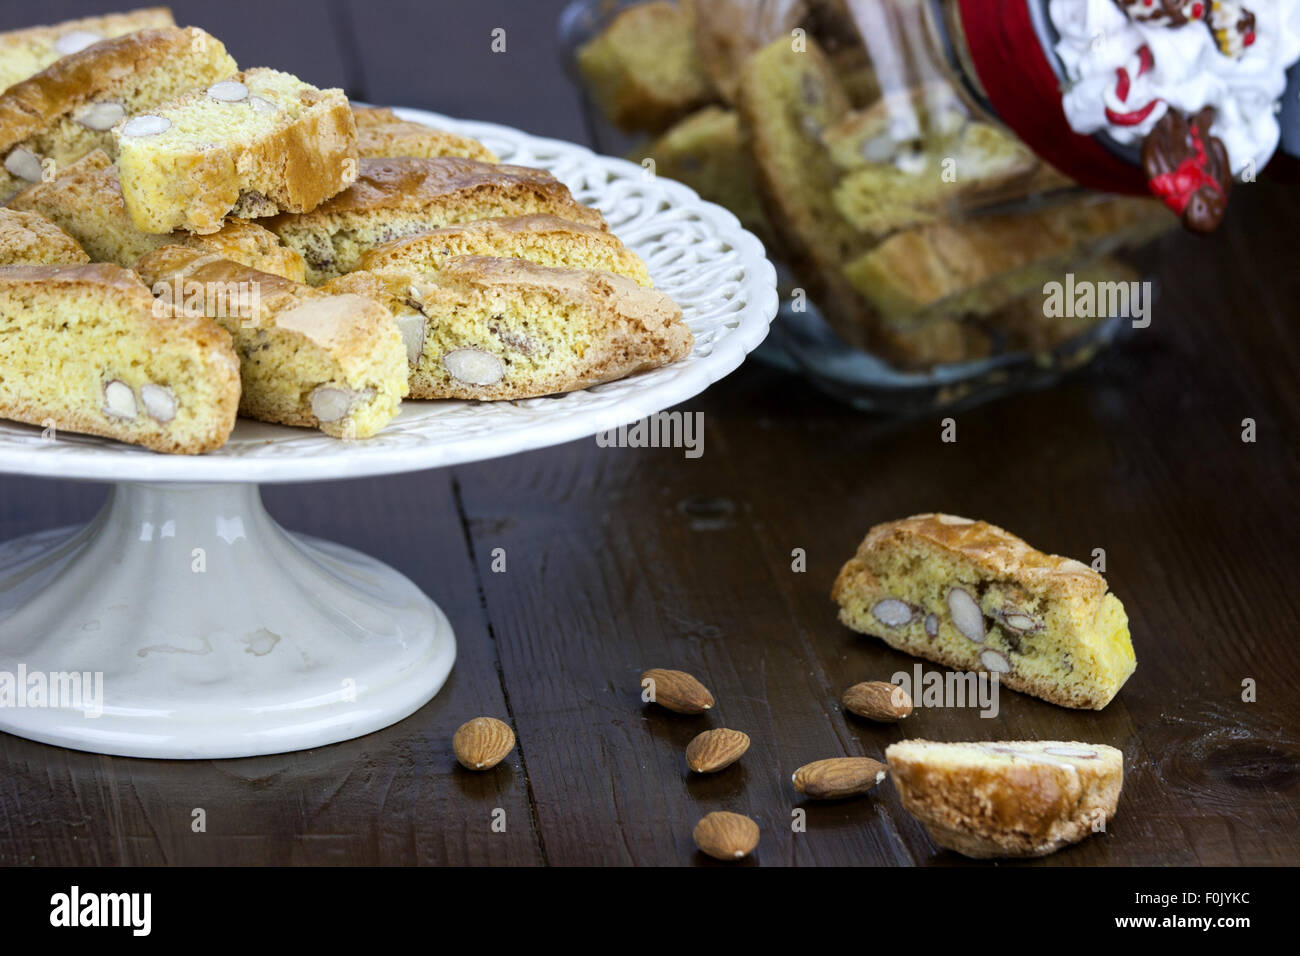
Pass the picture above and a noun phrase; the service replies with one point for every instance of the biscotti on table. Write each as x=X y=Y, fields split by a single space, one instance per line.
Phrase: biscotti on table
x=972 y=596
x=253 y=144
x=400 y=196
x=52 y=119
x=86 y=201
x=306 y=358
x=82 y=350
x=26 y=52
x=492 y=329
x=1007 y=798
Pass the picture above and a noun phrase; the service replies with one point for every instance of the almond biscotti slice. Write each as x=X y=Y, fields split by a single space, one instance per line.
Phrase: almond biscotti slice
x=979 y=265
x=85 y=199
x=306 y=358
x=52 y=119
x=400 y=196
x=254 y=144
x=546 y=240
x=975 y=597
x=26 y=52
x=30 y=239
x=494 y=329
x=82 y=349
x=1007 y=798
x=381 y=132
x=643 y=69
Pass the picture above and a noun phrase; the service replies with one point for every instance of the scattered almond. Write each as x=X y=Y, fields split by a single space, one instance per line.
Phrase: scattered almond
x=726 y=836
x=877 y=700
x=839 y=777
x=676 y=690
x=482 y=743
x=715 y=749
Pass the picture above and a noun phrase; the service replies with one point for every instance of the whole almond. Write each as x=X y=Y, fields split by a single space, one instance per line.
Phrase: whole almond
x=839 y=777
x=726 y=836
x=876 y=700
x=715 y=749
x=482 y=743
x=676 y=690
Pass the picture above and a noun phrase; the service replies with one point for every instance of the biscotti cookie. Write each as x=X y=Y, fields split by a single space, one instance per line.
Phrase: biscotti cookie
x=30 y=239
x=508 y=329
x=1027 y=324
x=26 y=52
x=397 y=197
x=1007 y=798
x=978 y=265
x=82 y=349
x=52 y=119
x=382 y=133
x=306 y=358
x=707 y=152
x=643 y=69
x=85 y=200
x=977 y=166
x=975 y=597
x=254 y=144
x=546 y=240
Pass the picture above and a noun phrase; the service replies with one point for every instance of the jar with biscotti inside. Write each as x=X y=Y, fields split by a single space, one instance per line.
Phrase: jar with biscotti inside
x=957 y=192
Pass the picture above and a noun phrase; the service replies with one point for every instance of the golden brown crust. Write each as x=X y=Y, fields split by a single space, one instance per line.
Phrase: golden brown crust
x=412 y=184
x=997 y=552
x=37 y=101
x=382 y=133
x=27 y=238
x=1007 y=798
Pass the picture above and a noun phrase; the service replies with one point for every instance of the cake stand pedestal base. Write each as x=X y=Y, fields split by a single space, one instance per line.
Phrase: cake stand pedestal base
x=183 y=622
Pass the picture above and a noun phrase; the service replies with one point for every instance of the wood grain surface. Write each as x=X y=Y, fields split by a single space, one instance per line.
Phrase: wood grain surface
x=623 y=559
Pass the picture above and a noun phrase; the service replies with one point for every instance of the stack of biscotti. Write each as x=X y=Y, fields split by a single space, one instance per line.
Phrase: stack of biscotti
x=139 y=158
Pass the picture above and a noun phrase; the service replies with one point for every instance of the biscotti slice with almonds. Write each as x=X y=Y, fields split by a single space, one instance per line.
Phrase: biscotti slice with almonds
x=399 y=196
x=382 y=133
x=546 y=240
x=26 y=52
x=975 y=597
x=978 y=265
x=254 y=144
x=85 y=199
x=27 y=238
x=306 y=358
x=494 y=329
x=1007 y=798
x=82 y=350
x=52 y=119
x=643 y=69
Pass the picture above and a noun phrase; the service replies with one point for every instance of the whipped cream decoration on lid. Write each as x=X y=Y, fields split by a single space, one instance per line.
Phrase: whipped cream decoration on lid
x=1126 y=71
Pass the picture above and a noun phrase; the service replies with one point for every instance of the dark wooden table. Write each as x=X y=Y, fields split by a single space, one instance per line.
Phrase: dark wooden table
x=624 y=559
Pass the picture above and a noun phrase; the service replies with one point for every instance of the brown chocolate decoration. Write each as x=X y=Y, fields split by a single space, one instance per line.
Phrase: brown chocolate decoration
x=1172 y=13
x=1188 y=168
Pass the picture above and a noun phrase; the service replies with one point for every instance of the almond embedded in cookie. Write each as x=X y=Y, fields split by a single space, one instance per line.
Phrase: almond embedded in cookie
x=972 y=596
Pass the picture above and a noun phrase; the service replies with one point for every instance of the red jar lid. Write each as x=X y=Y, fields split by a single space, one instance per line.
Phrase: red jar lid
x=1024 y=90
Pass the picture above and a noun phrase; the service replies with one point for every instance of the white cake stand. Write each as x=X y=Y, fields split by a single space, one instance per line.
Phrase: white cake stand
x=184 y=622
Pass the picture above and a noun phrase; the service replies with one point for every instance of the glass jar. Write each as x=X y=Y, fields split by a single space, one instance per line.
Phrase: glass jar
x=953 y=188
